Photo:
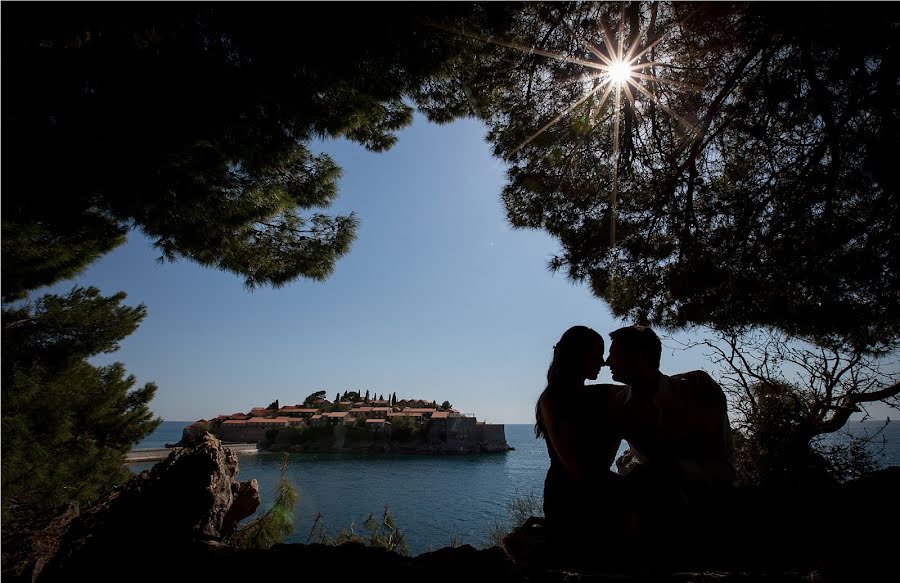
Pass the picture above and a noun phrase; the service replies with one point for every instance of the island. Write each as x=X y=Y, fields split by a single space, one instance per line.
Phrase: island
x=356 y=423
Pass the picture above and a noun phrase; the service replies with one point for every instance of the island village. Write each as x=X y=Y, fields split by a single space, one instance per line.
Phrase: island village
x=355 y=422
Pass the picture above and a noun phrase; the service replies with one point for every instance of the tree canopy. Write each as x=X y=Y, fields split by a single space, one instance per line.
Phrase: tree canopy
x=756 y=169
x=67 y=424
x=312 y=397
x=194 y=125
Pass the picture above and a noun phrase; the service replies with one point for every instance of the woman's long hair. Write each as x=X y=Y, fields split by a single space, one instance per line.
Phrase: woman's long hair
x=567 y=354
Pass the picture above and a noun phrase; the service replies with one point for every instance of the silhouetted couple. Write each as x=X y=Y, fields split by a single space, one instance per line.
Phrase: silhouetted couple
x=680 y=459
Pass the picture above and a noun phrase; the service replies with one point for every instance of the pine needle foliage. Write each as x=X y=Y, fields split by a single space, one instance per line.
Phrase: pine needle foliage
x=755 y=163
x=221 y=171
x=276 y=524
x=68 y=424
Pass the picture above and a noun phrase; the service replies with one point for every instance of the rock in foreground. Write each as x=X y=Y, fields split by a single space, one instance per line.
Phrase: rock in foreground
x=191 y=496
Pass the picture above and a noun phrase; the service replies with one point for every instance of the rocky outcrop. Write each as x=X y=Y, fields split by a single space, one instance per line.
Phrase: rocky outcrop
x=191 y=496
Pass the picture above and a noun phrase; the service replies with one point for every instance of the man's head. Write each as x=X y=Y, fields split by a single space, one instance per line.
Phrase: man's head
x=634 y=354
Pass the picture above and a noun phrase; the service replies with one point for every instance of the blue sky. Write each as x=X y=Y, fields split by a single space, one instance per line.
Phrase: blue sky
x=438 y=299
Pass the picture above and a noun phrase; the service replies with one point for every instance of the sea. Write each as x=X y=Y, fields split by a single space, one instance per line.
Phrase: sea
x=435 y=500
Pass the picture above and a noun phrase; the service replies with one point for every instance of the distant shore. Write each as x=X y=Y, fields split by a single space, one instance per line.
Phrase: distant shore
x=161 y=453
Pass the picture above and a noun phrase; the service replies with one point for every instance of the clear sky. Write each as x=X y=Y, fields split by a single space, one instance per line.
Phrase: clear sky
x=438 y=299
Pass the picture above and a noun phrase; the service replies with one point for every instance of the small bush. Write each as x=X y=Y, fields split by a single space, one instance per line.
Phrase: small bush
x=276 y=524
x=779 y=444
x=518 y=510
x=382 y=534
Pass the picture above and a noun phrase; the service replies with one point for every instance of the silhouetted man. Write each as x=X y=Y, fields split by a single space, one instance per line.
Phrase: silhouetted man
x=678 y=432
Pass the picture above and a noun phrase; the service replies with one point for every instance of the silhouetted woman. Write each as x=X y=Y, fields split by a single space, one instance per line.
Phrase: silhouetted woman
x=572 y=419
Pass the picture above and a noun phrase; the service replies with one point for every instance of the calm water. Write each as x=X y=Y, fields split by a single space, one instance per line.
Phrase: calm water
x=167 y=432
x=432 y=498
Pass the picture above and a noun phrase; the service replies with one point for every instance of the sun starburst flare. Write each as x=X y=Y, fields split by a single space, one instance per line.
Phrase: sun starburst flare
x=616 y=68
x=619 y=72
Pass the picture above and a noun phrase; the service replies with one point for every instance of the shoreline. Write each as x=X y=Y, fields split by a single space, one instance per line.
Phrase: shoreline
x=160 y=453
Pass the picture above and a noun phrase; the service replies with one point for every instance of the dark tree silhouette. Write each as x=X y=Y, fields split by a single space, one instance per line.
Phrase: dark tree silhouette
x=68 y=424
x=787 y=395
x=193 y=124
x=757 y=182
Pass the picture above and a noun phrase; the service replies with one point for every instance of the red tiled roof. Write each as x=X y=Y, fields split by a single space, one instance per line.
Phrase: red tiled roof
x=316 y=417
x=404 y=414
x=376 y=420
x=336 y=414
x=420 y=409
x=381 y=409
x=440 y=415
x=235 y=422
x=361 y=409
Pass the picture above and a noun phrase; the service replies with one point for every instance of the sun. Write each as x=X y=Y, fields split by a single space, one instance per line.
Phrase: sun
x=611 y=70
x=619 y=72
